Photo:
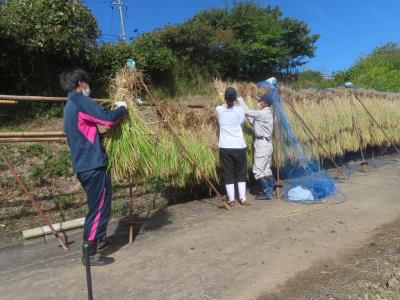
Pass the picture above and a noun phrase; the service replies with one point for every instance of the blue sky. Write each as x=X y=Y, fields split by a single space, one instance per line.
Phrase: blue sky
x=348 y=29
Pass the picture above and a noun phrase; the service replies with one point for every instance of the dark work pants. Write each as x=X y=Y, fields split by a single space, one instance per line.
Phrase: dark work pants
x=234 y=164
x=97 y=185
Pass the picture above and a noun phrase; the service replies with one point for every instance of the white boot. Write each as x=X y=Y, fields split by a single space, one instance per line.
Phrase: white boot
x=230 y=190
x=242 y=192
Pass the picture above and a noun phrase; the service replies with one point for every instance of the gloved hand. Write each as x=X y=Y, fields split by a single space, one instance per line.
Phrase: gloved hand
x=240 y=99
x=121 y=103
x=139 y=101
x=272 y=81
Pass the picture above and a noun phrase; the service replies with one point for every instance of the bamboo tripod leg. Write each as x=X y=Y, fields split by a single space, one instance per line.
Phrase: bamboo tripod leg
x=278 y=184
x=364 y=163
x=34 y=203
x=130 y=221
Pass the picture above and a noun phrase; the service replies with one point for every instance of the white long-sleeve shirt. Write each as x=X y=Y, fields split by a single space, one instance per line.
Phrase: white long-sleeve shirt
x=262 y=120
x=230 y=127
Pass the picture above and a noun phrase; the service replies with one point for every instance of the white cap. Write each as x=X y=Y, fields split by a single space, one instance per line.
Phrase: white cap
x=348 y=84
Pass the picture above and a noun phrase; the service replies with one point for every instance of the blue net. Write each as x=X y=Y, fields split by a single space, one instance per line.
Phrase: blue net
x=304 y=178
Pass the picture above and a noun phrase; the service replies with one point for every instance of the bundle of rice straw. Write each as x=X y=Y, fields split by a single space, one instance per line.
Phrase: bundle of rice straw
x=130 y=145
x=137 y=149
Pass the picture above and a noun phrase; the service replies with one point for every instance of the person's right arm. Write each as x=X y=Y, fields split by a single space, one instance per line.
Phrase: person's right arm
x=251 y=114
x=92 y=112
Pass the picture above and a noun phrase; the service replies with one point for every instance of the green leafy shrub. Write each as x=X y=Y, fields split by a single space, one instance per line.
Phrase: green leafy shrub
x=379 y=70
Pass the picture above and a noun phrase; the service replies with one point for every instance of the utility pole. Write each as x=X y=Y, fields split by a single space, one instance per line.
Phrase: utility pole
x=226 y=5
x=120 y=4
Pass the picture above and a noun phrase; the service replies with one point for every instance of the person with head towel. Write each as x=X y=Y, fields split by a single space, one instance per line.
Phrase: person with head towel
x=232 y=147
x=262 y=121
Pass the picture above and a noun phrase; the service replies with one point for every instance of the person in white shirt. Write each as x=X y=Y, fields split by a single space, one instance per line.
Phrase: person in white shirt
x=232 y=147
x=262 y=121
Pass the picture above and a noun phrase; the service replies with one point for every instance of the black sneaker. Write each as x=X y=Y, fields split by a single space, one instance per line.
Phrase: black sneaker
x=98 y=260
x=264 y=196
x=103 y=244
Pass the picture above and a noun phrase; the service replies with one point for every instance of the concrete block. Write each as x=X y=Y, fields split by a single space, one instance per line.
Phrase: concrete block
x=42 y=231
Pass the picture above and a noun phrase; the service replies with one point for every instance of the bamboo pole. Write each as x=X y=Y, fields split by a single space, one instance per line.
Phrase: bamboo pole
x=14 y=99
x=8 y=102
x=278 y=184
x=130 y=219
x=31 y=134
x=34 y=203
x=183 y=147
x=32 y=140
x=380 y=127
x=43 y=99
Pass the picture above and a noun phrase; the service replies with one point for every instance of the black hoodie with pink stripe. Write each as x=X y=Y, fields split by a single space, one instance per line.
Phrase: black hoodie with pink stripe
x=81 y=117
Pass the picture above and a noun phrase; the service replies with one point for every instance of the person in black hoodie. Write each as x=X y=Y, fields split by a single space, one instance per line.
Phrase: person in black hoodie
x=81 y=117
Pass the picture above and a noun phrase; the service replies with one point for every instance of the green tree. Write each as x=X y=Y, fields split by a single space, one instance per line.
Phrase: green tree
x=39 y=37
x=247 y=42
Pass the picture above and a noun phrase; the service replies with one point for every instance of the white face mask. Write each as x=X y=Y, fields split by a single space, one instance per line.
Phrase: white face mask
x=259 y=105
x=86 y=91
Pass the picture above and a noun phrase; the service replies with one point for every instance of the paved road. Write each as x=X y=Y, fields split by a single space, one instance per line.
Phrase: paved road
x=200 y=251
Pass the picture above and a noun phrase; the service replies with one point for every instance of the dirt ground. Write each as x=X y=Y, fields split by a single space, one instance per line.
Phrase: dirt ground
x=268 y=250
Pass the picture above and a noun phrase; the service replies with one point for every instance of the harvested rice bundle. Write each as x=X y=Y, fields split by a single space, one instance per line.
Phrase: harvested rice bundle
x=130 y=146
x=135 y=149
x=248 y=90
x=173 y=165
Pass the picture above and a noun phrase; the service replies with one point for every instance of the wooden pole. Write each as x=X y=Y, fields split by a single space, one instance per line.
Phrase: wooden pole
x=130 y=212
x=278 y=184
x=43 y=99
x=14 y=99
x=8 y=102
x=32 y=140
x=34 y=203
x=380 y=127
x=31 y=134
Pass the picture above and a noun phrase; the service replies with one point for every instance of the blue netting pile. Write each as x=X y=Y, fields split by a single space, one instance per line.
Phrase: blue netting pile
x=305 y=179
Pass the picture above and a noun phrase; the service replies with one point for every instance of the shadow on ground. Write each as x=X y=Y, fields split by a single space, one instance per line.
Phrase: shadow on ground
x=150 y=222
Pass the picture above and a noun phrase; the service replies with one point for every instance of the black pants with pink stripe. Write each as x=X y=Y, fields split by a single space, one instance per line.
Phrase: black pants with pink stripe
x=97 y=185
